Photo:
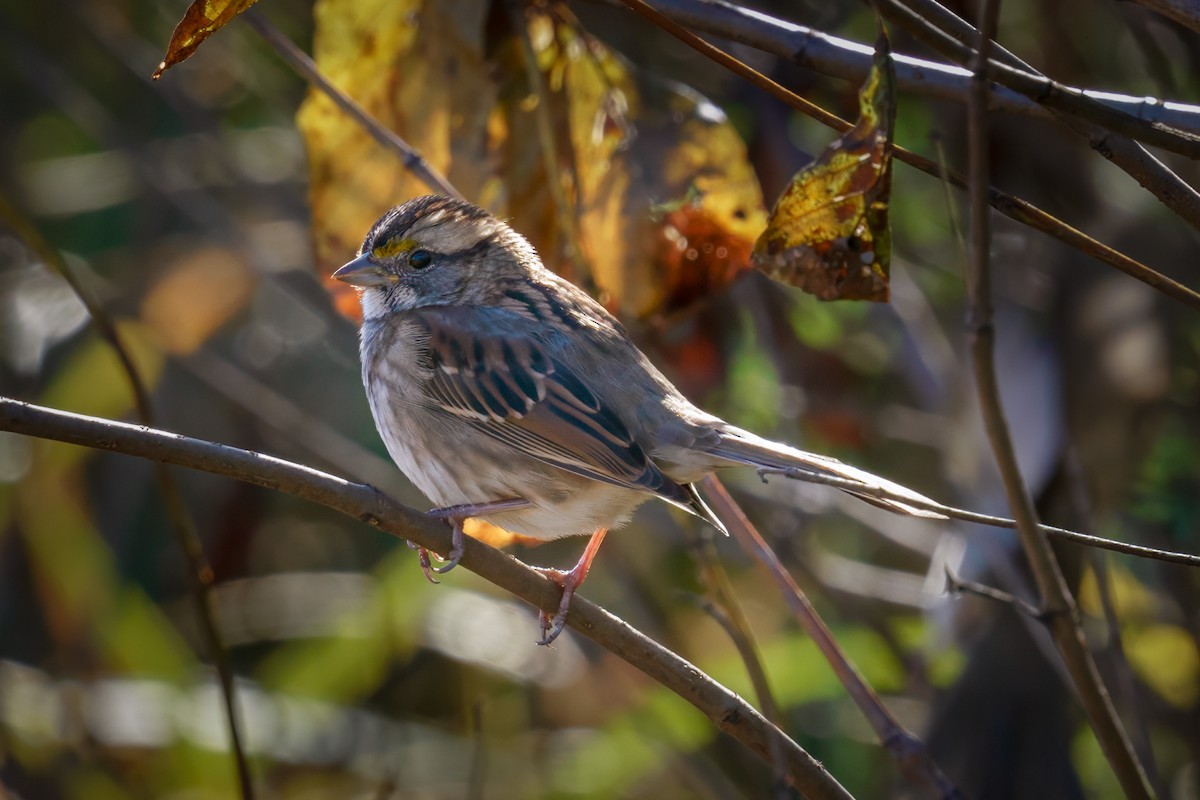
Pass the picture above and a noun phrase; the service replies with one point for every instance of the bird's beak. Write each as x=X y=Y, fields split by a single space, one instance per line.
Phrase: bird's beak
x=362 y=272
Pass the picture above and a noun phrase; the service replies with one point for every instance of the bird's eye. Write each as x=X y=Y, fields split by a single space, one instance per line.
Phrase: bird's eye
x=420 y=259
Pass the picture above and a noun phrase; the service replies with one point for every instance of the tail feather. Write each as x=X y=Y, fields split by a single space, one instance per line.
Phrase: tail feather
x=744 y=447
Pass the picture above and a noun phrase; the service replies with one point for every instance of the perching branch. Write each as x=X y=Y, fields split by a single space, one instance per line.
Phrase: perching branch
x=1060 y=613
x=729 y=712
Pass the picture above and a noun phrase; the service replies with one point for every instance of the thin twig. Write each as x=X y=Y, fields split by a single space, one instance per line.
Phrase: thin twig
x=723 y=606
x=951 y=35
x=1055 y=600
x=956 y=585
x=730 y=713
x=1011 y=206
x=182 y=525
x=566 y=210
x=908 y=751
x=1085 y=539
x=412 y=160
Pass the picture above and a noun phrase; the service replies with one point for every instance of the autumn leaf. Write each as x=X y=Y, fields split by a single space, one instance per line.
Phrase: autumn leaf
x=454 y=82
x=202 y=19
x=829 y=233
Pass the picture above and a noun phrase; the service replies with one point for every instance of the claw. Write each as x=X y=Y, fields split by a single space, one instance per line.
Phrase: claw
x=423 y=560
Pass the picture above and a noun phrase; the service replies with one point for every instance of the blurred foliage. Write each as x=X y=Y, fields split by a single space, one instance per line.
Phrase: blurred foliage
x=182 y=204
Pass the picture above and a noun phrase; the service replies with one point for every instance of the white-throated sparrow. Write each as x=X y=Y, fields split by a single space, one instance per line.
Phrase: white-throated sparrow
x=506 y=393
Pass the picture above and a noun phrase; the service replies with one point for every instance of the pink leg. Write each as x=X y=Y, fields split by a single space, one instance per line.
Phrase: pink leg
x=569 y=581
x=456 y=515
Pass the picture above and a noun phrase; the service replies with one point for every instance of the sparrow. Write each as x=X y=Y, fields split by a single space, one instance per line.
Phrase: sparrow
x=506 y=393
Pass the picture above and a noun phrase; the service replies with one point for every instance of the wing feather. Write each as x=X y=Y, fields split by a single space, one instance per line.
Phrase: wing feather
x=507 y=384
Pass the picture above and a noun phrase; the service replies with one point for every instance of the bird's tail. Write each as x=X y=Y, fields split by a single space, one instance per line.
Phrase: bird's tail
x=744 y=447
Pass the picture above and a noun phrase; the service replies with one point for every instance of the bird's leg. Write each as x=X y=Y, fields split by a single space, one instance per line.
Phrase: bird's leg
x=456 y=516
x=569 y=581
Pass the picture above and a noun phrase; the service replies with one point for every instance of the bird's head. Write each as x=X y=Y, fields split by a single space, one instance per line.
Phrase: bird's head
x=434 y=251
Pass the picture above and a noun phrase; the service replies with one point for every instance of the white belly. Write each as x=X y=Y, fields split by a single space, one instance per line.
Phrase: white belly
x=453 y=464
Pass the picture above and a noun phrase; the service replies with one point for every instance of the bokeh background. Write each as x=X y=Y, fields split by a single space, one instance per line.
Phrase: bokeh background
x=186 y=206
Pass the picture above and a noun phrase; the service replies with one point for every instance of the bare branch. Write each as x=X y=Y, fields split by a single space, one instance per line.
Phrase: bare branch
x=842 y=58
x=1057 y=604
x=729 y=712
x=956 y=585
x=951 y=35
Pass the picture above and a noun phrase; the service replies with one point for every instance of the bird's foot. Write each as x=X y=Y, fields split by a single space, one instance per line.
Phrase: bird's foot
x=569 y=581
x=457 y=516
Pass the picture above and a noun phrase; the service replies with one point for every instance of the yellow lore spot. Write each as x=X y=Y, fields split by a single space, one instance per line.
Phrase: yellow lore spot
x=392 y=248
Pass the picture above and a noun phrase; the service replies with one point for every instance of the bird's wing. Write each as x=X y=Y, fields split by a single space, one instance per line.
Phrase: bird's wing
x=505 y=384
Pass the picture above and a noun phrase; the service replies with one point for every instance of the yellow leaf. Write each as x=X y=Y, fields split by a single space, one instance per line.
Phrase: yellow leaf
x=1166 y=658
x=624 y=147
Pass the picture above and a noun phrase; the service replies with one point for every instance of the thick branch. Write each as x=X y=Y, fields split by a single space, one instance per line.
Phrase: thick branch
x=842 y=58
x=951 y=35
x=728 y=711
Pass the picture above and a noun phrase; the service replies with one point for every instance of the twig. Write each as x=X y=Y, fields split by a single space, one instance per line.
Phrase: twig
x=907 y=750
x=951 y=35
x=1055 y=600
x=182 y=525
x=956 y=231
x=956 y=585
x=842 y=58
x=1085 y=539
x=1013 y=207
x=567 y=211
x=413 y=161
x=728 y=613
x=730 y=713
